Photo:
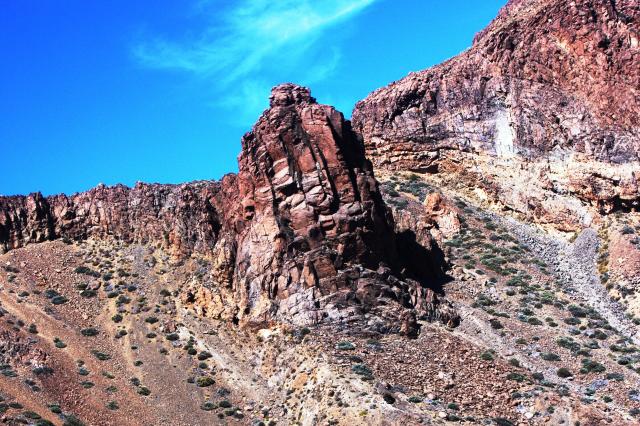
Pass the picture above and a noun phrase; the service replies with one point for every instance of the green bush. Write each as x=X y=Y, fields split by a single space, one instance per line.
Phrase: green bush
x=204 y=355
x=55 y=408
x=572 y=321
x=549 y=356
x=487 y=356
x=204 y=381
x=87 y=271
x=564 y=373
x=123 y=300
x=71 y=420
x=591 y=366
x=361 y=370
x=345 y=346
x=101 y=355
x=568 y=343
x=59 y=300
x=600 y=335
x=577 y=311
x=495 y=324
x=534 y=321
x=208 y=406
x=517 y=377
x=622 y=349
x=88 y=293
x=615 y=376
x=32 y=415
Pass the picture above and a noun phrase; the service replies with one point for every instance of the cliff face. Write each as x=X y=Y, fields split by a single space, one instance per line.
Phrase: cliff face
x=299 y=235
x=183 y=217
x=314 y=239
x=541 y=112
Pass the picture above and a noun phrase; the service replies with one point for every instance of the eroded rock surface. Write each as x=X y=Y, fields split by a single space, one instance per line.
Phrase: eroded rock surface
x=183 y=217
x=314 y=236
x=299 y=235
x=540 y=113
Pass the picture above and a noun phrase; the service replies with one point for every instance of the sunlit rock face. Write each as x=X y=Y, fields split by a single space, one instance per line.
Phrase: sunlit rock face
x=300 y=235
x=314 y=239
x=541 y=113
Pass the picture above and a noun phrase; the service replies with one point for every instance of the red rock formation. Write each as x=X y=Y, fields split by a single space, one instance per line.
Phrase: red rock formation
x=299 y=235
x=314 y=239
x=548 y=96
x=311 y=203
x=182 y=217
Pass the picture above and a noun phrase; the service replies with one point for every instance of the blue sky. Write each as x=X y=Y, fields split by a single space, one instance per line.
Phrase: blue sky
x=123 y=91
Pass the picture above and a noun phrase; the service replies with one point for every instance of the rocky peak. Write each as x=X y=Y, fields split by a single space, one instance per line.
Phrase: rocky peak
x=300 y=235
x=314 y=233
x=288 y=94
x=303 y=165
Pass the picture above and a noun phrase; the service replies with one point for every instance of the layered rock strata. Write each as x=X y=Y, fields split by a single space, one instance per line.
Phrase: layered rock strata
x=541 y=113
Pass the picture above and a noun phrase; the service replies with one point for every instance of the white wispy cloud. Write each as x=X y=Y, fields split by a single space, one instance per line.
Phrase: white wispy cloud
x=254 y=41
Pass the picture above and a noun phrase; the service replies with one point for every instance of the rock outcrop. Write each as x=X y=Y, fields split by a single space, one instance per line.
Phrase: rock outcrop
x=184 y=218
x=314 y=239
x=300 y=235
x=541 y=113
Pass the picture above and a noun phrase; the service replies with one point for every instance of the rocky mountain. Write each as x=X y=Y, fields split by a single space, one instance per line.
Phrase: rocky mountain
x=465 y=250
x=540 y=114
x=301 y=230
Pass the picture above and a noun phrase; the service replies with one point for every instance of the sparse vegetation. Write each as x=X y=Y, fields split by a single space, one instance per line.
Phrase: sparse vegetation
x=345 y=346
x=89 y=332
x=564 y=372
x=205 y=381
x=101 y=355
x=487 y=355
